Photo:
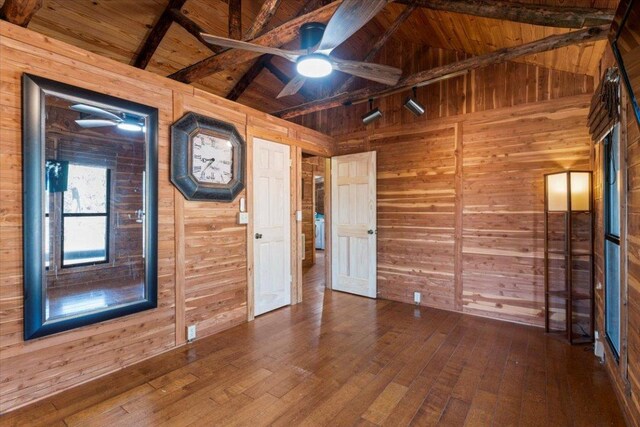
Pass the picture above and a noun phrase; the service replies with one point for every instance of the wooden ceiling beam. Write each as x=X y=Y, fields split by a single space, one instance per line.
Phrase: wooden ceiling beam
x=193 y=28
x=156 y=35
x=382 y=40
x=254 y=71
x=268 y=9
x=274 y=38
x=424 y=77
x=536 y=14
x=235 y=19
x=19 y=12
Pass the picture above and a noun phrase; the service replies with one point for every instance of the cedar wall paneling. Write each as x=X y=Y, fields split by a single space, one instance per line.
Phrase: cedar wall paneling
x=416 y=192
x=633 y=264
x=460 y=204
x=202 y=255
x=625 y=374
x=497 y=86
x=504 y=159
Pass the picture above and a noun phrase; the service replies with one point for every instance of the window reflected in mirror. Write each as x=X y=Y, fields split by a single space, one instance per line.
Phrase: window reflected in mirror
x=90 y=207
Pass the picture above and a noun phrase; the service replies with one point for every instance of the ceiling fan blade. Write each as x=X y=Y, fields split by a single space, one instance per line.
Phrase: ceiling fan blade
x=293 y=86
x=95 y=111
x=96 y=123
x=376 y=72
x=291 y=55
x=350 y=16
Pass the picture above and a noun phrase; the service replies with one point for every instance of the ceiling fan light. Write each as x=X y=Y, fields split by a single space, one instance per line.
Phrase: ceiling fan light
x=131 y=127
x=314 y=65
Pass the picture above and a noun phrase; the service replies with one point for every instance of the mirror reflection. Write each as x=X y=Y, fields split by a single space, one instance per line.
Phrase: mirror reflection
x=94 y=216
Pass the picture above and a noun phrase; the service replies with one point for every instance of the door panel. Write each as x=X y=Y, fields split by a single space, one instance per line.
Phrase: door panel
x=272 y=228
x=353 y=189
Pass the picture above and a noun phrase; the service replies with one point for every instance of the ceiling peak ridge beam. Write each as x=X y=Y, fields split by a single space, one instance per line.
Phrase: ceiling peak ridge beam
x=273 y=38
x=254 y=71
x=382 y=40
x=20 y=12
x=535 y=14
x=450 y=70
x=153 y=40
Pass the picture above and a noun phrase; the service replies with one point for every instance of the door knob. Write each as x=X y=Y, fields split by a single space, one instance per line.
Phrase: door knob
x=370 y=231
x=258 y=236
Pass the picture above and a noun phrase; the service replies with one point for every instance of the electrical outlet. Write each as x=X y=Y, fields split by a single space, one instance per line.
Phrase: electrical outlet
x=191 y=333
x=416 y=297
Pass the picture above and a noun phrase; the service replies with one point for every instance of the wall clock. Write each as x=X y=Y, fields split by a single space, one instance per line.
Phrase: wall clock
x=207 y=158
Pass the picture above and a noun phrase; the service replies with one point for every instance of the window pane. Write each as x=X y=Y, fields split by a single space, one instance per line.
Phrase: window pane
x=612 y=184
x=86 y=190
x=84 y=240
x=612 y=293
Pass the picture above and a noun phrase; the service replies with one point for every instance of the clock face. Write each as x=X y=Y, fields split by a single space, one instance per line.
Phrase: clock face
x=211 y=159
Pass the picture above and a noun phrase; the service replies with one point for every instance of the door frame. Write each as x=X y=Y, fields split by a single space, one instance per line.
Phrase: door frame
x=295 y=154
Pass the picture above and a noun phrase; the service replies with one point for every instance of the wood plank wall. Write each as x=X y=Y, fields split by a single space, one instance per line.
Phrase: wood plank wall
x=460 y=204
x=625 y=375
x=498 y=86
x=202 y=255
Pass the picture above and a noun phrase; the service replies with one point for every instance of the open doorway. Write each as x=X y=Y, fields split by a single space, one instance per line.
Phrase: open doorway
x=313 y=224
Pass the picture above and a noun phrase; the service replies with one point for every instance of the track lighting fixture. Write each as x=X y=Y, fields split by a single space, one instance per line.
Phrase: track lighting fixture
x=413 y=105
x=372 y=115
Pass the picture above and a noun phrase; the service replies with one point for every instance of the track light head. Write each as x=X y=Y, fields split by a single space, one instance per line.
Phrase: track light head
x=412 y=104
x=372 y=115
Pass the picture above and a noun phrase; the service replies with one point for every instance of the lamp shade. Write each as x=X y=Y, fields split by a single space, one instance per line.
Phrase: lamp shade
x=568 y=185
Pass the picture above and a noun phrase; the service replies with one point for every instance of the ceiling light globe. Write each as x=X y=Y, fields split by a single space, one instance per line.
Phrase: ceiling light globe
x=314 y=66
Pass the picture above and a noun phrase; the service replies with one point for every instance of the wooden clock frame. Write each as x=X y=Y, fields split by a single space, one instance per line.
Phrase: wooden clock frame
x=182 y=133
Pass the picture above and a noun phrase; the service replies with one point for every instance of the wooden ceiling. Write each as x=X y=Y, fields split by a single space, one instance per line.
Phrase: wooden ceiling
x=118 y=28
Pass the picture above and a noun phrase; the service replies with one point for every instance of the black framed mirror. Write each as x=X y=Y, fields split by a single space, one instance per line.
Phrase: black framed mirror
x=90 y=206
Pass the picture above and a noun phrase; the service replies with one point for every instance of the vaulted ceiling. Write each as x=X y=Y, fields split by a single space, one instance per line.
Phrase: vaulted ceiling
x=118 y=29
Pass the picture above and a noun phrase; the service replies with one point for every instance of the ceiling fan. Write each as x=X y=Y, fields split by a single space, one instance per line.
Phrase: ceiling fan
x=95 y=117
x=318 y=41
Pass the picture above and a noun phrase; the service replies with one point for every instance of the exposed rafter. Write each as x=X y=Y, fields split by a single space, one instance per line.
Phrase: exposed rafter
x=379 y=44
x=156 y=35
x=424 y=77
x=268 y=9
x=256 y=68
x=536 y=14
x=274 y=38
x=19 y=12
x=194 y=29
x=235 y=19
x=245 y=81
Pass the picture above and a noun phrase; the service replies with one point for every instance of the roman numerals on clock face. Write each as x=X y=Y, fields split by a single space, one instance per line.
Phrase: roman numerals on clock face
x=212 y=159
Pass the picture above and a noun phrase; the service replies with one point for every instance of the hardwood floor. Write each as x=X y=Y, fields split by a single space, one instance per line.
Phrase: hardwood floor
x=343 y=360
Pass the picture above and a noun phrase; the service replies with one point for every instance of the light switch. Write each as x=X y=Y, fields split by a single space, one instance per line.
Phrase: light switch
x=299 y=216
x=243 y=218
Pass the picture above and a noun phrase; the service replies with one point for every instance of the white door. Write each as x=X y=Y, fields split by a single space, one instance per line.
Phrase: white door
x=353 y=213
x=272 y=226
